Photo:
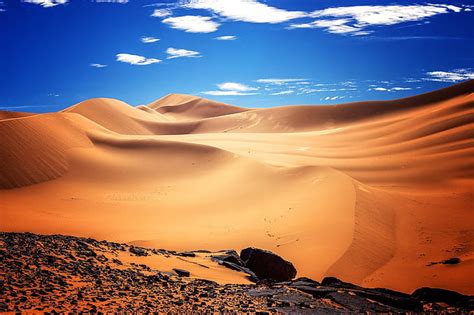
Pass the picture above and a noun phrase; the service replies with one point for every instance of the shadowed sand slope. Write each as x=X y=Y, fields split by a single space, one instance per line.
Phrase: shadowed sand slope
x=369 y=192
x=181 y=106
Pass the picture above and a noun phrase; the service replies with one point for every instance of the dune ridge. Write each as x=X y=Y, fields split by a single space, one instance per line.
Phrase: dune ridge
x=357 y=190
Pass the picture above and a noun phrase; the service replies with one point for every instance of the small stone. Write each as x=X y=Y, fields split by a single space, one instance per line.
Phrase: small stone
x=181 y=272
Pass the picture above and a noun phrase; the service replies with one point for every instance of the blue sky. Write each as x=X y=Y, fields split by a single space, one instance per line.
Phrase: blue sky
x=251 y=53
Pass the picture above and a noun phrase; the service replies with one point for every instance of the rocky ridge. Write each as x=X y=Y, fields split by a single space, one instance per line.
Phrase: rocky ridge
x=56 y=273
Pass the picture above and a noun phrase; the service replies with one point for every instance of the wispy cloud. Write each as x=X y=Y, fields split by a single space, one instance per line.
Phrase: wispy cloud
x=160 y=4
x=98 y=65
x=393 y=89
x=149 y=39
x=47 y=3
x=450 y=76
x=234 y=86
x=227 y=93
x=161 y=13
x=226 y=37
x=287 y=92
x=333 y=98
x=232 y=89
x=279 y=81
x=337 y=26
x=179 y=53
x=136 y=59
x=245 y=10
x=355 y=20
x=192 y=23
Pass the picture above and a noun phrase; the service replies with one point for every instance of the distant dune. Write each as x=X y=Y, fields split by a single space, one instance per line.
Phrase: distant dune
x=370 y=192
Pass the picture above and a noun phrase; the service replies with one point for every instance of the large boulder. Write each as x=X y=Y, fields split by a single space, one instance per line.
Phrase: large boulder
x=267 y=265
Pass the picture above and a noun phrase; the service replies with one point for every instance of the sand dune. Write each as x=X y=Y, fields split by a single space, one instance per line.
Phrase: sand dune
x=6 y=114
x=369 y=192
x=180 y=106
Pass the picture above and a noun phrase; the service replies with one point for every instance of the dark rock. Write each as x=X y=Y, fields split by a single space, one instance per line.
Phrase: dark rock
x=87 y=253
x=232 y=261
x=181 y=272
x=319 y=292
x=336 y=283
x=304 y=281
x=186 y=254
x=230 y=256
x=82 y=244
x=355 y=303
x=441 y=295
x=388 y=297
x=235 y=267
x=292 y=297
x=138 y=251
x=451 y=261
x=265 y=291
x=267 y=265
x=392 y=298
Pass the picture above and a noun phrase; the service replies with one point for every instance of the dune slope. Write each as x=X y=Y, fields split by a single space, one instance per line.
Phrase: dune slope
x=370 y=192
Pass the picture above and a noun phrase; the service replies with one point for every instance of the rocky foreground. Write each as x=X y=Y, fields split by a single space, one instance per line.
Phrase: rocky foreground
x=62 y=273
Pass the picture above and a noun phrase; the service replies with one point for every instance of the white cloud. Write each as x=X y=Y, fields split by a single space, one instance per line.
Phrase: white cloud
x=333 y=98
x=232 y=89
x=192 y=23
x=233 y=86
x=450 y=76
x=178 y=53
x=227 y=93
x=149 y=39
x=354 y=20
x=161 y=13
x=98 y=65
x=245 y=10
x=279 y=81
x=226 y=37
x=401 y=89
x=337 y=26
x=136 y=59
x=308 y=91
x=47 y=3
x=394 y=89
x=284 y=92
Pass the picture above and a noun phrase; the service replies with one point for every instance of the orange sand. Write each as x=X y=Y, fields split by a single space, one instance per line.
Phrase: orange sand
x=368 y=192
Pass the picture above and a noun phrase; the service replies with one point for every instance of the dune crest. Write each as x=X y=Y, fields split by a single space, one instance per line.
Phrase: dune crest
x=188 y=107
x=359 y=191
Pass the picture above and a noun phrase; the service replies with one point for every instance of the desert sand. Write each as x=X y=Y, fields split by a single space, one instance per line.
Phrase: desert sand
x=369 y=192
